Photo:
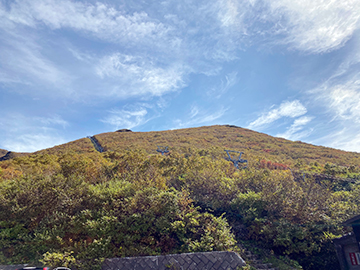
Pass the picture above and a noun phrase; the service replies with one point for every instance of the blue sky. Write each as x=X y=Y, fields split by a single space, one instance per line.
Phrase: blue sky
x=288 y=68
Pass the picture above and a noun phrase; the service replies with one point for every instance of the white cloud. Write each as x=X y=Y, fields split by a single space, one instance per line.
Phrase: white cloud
x=286 y=109
x=27 y=55
x=161 y=51
x=312 y=26
x=341 y=98
x=338 y=100
x=25 y=50
x=315 y=26
x=340 y=93
x=101 y=20
x=31 y=142
x=292 y=133
x=138 y=76
x=29 y=134
x=127 y=118
x=344 y=101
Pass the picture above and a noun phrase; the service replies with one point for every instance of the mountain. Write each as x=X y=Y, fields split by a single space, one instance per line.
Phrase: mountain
x=257 y=147
x=250 y=142
x=114 y=195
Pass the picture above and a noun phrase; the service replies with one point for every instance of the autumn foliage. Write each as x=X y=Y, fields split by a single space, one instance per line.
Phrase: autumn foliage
x=272 y=165
x=71 y=205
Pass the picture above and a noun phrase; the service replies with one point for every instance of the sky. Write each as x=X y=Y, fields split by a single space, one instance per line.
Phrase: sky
x=71 y=69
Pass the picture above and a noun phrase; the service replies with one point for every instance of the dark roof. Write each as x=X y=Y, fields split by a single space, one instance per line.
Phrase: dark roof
x=352 y=221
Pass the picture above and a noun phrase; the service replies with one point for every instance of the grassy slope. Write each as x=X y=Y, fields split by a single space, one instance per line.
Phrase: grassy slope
x=253 y=144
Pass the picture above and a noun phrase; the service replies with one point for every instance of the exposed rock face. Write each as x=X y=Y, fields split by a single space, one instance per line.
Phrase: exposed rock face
x=123 y=130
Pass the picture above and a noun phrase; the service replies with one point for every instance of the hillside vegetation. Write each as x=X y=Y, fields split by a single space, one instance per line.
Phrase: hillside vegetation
x=72 y=205
x=218 y=138
x=3 y=152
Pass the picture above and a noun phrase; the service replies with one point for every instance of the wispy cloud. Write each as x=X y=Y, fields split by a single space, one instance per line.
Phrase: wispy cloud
x=100 y=20
x=312 y=26
x=29 y=58
x=344 y=100
x=198 y=117
x=293 y=132
x=161 y=52
x=290 y=109
x=194 y=111
x=315 y=26
x=340 y=93
x=225 y=84
x=22 y=61
x=346 y=138
x=138 y=76
x=130 y=117
x=230 y=12
x=340 y=97
x=52 y=120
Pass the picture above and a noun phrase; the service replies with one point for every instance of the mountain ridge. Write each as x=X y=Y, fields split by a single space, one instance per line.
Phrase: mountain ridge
x=260 y=149
x=222 y=136
x=4 y=151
